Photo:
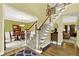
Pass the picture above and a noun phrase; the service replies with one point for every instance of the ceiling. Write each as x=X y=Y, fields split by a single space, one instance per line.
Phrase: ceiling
x=10 y=13
x=72 y=10
x=39 y=9
x=71 y=14
x=34 y=9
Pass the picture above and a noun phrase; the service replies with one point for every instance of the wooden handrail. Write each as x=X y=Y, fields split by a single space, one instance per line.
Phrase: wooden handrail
x=31 y=26
x=43 y=23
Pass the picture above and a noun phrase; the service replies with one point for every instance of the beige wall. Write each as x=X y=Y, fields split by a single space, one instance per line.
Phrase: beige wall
x=8 y=25
x=1 y=32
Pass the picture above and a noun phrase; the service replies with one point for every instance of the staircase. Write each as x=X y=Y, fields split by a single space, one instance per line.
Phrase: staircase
x=46 y=28
x=44 y=33
x=31 y=41
x=59 y=9
x=38 y=40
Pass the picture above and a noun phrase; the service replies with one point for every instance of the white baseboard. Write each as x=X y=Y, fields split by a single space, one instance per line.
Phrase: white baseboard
x=38 y=51
x=59 y=43
x=54 y=42
x=45 y=44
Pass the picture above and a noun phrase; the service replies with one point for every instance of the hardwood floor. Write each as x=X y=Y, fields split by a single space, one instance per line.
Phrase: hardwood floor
x=22 y=51
x=16 y=50
x=66 y=49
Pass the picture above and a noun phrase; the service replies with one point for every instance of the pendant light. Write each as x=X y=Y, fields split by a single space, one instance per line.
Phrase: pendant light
x=22 y=25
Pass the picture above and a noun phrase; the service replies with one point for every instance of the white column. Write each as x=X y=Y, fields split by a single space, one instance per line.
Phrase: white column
x=60 y=30
x=37 y=38
x=68 y=29
x=38 y=42
x=25 y=37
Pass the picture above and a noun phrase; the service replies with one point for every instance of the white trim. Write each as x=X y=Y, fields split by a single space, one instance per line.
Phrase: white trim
x=39 y=51
x=37 y=40
x=54 y=42
x=25 y=37
x=45 y=44
x=58 y=43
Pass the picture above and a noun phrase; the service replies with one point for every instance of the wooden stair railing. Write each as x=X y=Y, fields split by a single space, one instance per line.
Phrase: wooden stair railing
x=50 y=11
x=43 y=24
x=31 y=25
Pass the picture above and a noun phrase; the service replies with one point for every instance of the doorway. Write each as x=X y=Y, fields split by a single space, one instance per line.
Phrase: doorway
x=14 y=39
x=70 y=33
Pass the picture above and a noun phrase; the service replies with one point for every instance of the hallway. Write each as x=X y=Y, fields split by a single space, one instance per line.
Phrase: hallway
x=67 y=49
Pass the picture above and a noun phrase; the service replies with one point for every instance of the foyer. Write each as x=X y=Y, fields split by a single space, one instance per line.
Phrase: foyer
x=43 y=29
